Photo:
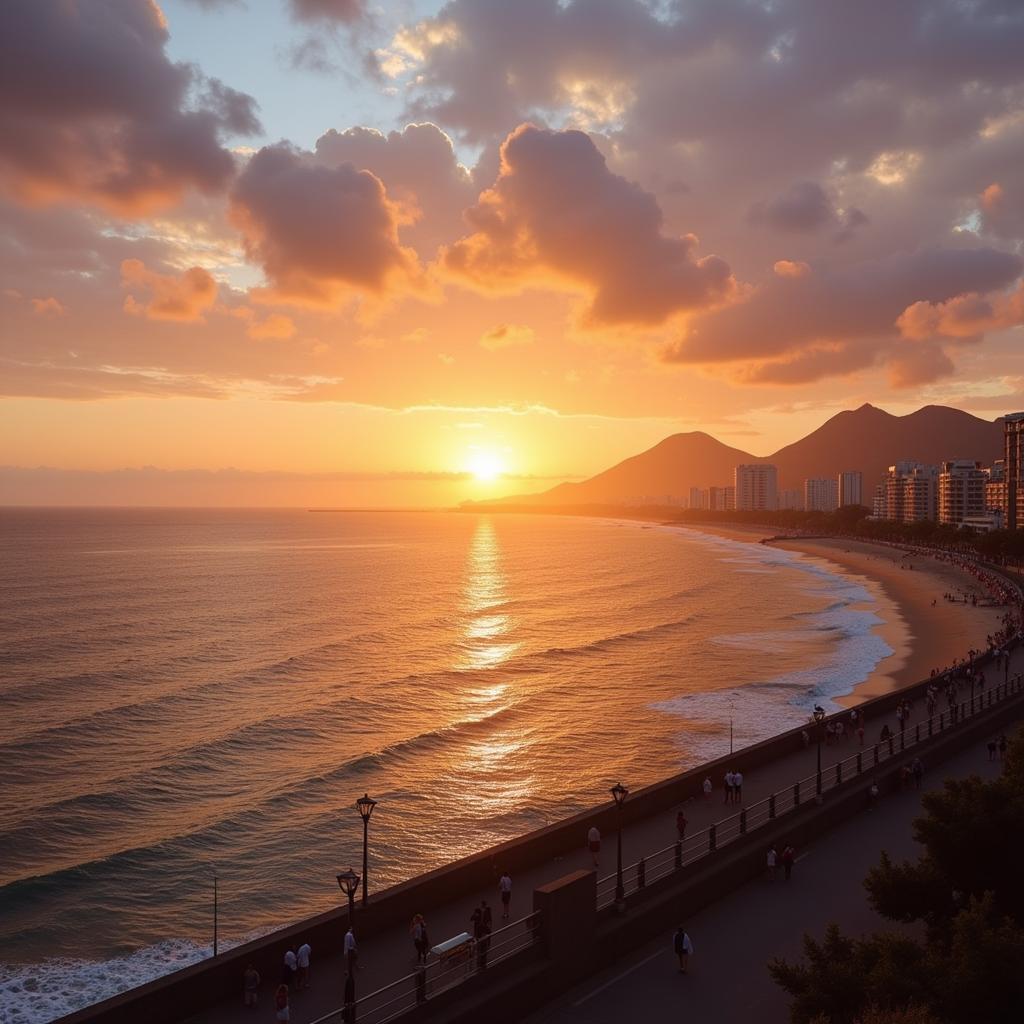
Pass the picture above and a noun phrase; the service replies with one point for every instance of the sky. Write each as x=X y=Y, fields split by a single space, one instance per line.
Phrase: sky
x=352 y=253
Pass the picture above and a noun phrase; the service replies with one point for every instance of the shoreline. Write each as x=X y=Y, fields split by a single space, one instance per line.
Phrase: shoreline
x=922 y=636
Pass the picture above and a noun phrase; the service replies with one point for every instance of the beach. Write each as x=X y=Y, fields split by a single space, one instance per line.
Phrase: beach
x=924 y=630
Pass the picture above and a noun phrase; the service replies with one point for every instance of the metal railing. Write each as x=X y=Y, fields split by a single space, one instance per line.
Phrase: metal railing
x=431 y=979
x=663 y=863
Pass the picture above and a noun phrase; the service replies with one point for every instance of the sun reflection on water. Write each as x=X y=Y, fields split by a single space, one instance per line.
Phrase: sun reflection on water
x=486 y=627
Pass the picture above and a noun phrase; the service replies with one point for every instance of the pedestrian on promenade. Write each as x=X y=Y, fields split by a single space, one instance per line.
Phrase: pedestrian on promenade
x=918 y=770
x=281 y=1003
x=737 y=787
x=707 y=787
x=682 y=947
x=505 y=888
x=594 y=844
x=418 y=931
x=805 y=737
x=252 y=985
x=860 y=730
x=291 y=965
x=728 y=787
x=773 y=856
x=304 y=952
x=872 y=795
x=681 y=824
x=991 y=750
x=788 y=858
x=351 y=950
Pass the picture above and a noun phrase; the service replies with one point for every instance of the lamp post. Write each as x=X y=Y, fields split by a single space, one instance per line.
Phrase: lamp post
x=348 y=882
x=819 y=717
x=366 y=806
x=619 y=794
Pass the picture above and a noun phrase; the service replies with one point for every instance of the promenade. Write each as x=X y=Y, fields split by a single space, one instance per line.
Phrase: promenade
x=733 y=938
x=388 y=954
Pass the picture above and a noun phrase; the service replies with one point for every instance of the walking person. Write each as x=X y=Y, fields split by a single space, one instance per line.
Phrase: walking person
x=737 y=787
x=788 y=858
x=252 y=985
x=707 y=787
x=505 y=888
x=682 y=947
x=681 y=824
x=283 y=1012
x=594 y=844
x=351 y=950
x=291 y=965
x=418 y=931
x=772 y=858
x=303 y=954
x=728 y=787
x=917 y=768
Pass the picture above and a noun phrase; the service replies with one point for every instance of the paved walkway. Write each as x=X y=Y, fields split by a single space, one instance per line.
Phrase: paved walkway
x=387 y=956
x=733 y=938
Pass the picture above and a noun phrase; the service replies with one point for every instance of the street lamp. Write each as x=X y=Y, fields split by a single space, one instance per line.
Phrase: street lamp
x=619 y=793
x=819 y=717
x=348 y=882
x=366 y=806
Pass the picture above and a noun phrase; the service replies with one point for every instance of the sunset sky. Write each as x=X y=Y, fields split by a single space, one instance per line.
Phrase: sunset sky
x=362 y=253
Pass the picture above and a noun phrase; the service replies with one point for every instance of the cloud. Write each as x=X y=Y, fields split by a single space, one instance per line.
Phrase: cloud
x=804 y=207
x=346 y=11
x=48 y=307
x=804 y=328
x=556 y=214
x=507 y=336
x=966 y=316
x=791 y=268
x=318 y=232
x=276 y=326
x=184 y=297
x=420 y=171
x=92 y=110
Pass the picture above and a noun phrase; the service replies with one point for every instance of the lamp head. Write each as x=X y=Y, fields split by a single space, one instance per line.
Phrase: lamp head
x=348 y=882
x=619 y=793
x=366 y=806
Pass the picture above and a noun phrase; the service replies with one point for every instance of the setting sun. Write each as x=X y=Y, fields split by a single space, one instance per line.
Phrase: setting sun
x=486 y=466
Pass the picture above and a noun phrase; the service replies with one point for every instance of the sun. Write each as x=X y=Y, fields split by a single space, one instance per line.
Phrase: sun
x=486 y=466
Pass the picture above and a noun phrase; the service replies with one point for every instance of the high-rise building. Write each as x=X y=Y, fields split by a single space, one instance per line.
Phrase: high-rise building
x=1013 y=456
x=961 y=491
x=722 y=499
x=757 y=487
x=995 y=488
x=791 y=498
x=821 y=494
x=851 y=487
x=910 y=492
x=696 y=496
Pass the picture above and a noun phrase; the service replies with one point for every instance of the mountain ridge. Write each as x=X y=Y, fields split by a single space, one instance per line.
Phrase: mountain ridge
x=866 y=438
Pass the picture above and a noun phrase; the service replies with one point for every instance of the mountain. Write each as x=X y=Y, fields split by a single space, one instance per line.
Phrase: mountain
x=867 y=439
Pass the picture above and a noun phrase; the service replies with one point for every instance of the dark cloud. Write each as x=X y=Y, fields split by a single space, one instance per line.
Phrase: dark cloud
x=804 y=207
x=346 y=11
x=92 y=110
x=557 y=209
x=319 y=231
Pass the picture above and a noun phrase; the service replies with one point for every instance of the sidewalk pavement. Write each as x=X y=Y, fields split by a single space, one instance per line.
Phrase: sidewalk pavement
x=727 y=981
x=389 y=955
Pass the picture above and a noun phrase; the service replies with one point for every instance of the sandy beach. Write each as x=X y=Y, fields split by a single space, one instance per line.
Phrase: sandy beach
x=924 y=630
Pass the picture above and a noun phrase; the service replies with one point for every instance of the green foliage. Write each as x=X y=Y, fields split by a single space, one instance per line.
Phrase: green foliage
x=967 y=887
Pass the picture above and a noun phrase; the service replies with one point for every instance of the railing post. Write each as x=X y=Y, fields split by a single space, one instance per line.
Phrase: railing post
x=917 y=733
x=930 y=719
x=796 y=794
x=712 y=837
x=891 y=751
x=839 y=773
x=860 y=766
x=876 y=755
x=771 y=805
x=421 y=984
x=679 y=854
x=903 y=739
x=641 y=874
x=743 y=822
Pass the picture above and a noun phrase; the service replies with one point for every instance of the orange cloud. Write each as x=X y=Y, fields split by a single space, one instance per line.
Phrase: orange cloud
x=183 y=298
x=319 y=232
x=557 y=214
x=275 y=327
x=791 y=268
x=964 y=316
x=48 y=307
x=507 y=336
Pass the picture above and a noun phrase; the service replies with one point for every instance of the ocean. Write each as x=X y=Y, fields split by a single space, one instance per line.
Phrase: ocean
x=187 y=694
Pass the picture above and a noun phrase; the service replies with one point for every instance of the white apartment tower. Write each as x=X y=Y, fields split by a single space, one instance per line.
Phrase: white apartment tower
x=961 y=491
x=910 y=492
x=757 y=487
x=821 y=494
x=851 y=487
